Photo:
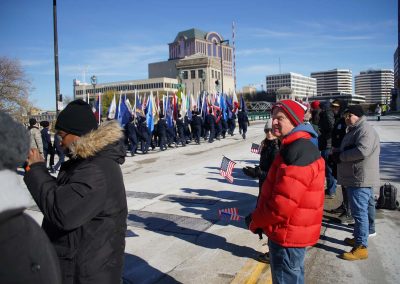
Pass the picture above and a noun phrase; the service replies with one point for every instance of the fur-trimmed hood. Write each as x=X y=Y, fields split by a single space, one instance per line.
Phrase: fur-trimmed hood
x=108 y=135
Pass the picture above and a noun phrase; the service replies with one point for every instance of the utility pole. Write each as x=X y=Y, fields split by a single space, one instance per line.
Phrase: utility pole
x=222 y=66
x=57 y=77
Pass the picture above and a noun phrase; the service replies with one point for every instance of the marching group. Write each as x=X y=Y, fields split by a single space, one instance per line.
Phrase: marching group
x=85 y=207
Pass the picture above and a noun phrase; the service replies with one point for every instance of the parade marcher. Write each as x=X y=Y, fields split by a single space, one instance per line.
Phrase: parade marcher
x=269 y=149
x=85 y=208
x=378 y=112
x=131 y=133
x=290 y=208
x=27 y=256
x=162 y=132
x=48 y=149
x=180 y=129
x=196 y=126
x=224 y=126
x=325 y=125
x=188 y=134
x=358 y=171
x=144 y=134
x=36 y=137
x=210 y=126
x=243 y=122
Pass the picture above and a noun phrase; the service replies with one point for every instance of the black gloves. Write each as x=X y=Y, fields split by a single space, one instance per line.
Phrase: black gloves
x=258 y=231
x=252 y=172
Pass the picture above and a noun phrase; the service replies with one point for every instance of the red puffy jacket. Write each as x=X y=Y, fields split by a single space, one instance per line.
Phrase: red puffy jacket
x=290 y=207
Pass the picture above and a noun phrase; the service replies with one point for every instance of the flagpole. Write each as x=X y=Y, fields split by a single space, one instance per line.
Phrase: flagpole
x=100 y=109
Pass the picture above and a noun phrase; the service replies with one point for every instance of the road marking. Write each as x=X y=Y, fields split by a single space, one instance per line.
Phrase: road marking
x=252 y=272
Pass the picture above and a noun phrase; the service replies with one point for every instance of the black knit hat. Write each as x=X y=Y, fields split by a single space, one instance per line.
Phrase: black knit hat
x=77 y=118
x=357 y=110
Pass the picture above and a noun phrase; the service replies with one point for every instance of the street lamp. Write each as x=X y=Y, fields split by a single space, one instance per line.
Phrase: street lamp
x=222 y=67
x=203 y=78
x=93 y=80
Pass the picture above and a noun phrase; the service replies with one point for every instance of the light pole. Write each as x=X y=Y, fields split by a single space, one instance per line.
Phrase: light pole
x=222 y=66
x=203 y=79
x=93 y=80
x=56 y=73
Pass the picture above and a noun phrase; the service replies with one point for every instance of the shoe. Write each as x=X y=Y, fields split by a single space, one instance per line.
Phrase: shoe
x=371 y=235
x=338 y=210
x=356 y=253
x=350 y=241
x=264 y=258
x=346 y=219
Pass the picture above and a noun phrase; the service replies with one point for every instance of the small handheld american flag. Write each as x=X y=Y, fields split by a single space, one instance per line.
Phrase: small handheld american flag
x=255 y=148
x=230 y=214
x=226 y=169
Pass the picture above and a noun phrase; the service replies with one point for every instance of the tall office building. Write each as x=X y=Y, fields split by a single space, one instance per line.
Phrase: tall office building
x=375 y=85
x=333 y=81
x=196 y=58
x=291 y=86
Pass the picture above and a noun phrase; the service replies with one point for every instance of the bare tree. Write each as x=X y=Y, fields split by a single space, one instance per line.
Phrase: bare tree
x=14 y=89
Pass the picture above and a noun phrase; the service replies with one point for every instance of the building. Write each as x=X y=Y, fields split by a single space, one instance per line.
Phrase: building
x=334 y=81
x=375 y=85
x=301 y=87
x=249 y=90
x=330 y=96
x=395 y=92
x=196 y=58
x=160 y=85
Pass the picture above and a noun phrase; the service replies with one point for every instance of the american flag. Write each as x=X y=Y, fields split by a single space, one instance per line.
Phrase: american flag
x=255 y=148
x=227 y=166
x=229 y=213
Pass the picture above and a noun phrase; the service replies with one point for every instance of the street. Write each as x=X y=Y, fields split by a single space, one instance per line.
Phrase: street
x=175 y=235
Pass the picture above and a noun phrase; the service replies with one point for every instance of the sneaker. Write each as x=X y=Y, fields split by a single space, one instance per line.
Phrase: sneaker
x=346 y=219
x=339 y=210
x=356 y=253
x=263 y=257
x=371 y=235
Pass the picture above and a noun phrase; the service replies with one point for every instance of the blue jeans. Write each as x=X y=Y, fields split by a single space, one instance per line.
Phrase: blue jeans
x=359 y=198
x=287 y=264
x=330 y=179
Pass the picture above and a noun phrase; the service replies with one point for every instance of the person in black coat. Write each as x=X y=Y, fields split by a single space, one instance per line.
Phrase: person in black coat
x=27 y=256
x=131 y=134
x=243 y=121
x=59 y=151
x=180 y=129
x=85 y=208
x=162 y=132
x=144 y=134
x=210 y=126
x=48 y=149
x=196 y=126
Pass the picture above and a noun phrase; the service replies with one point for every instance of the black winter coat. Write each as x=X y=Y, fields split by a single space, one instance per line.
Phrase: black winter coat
x=243 y=119
x=85 y=208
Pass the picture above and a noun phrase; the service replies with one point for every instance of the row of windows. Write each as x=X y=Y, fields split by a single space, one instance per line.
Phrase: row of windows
x=214 y=74
x=128 y=87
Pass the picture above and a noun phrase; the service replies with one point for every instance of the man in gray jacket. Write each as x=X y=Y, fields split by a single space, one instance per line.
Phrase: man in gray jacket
x=358 y=171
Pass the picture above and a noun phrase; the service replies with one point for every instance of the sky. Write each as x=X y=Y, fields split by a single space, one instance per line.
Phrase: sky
x=116 y=39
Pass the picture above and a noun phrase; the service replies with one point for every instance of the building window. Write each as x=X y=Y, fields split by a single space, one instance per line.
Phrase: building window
x=212 y=74
x=200 y=73
x=192 y=74
x=185 y=75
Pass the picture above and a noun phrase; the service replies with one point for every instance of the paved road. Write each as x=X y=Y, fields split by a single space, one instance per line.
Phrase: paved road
x=174 y=234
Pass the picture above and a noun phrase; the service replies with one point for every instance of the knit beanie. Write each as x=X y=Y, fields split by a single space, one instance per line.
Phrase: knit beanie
x=294 y=110
x=315 y=104
x=357 y=110
x=268 y=124
x=15 y=143
x=77 y=118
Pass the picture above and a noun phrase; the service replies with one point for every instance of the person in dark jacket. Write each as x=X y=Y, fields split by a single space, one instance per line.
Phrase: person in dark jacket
x=196 y=126
x=210 y=126
x=27 y=256
x=144 y=134
x=162 y=132
x=131 y=133
x=180 y=129
x=59 y=151
x=243 y=122
x=48 y=149
x=325 y=126
x=85 y=208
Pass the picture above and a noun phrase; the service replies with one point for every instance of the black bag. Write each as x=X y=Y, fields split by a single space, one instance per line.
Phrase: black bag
x=387 y=197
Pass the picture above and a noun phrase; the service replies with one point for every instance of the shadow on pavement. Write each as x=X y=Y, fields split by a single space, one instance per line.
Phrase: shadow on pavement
x=137 y=270
x=389 y=161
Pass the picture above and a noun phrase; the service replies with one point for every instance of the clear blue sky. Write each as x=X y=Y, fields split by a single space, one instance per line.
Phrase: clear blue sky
x=116 y=39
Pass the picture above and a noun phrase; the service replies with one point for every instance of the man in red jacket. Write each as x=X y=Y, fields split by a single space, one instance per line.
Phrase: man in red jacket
x=290 y=207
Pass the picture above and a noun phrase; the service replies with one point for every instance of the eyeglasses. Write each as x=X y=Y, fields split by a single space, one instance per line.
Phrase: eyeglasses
x=267 y=130
x=62 y=135
x=347 y=115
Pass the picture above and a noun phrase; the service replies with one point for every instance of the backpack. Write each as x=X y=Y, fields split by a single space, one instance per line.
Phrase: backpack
x=387 y=197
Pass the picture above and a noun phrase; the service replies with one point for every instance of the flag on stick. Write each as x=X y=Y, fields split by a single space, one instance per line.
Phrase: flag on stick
x=226 y=169
x=230 y=214
x=255 y=148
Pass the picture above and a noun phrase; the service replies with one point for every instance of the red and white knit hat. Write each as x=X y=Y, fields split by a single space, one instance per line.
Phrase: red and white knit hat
x=294 y=110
